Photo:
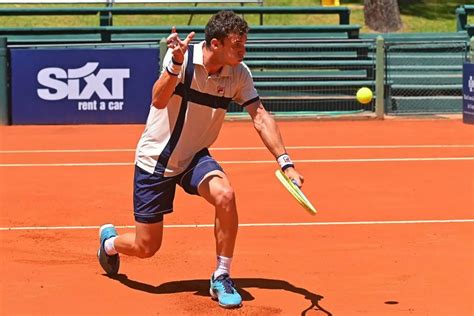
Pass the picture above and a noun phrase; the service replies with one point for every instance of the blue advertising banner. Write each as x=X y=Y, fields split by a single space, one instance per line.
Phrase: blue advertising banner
x=468 y=93
x=82 y=86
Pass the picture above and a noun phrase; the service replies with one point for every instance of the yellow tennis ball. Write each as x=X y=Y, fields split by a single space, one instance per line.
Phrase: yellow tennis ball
x=364 y=95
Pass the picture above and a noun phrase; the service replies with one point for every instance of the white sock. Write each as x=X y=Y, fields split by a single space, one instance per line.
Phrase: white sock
x=223 y=266
x=110 y=247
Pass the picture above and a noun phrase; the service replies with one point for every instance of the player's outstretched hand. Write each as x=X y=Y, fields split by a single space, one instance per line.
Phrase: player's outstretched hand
x=178 y=46
x=294 y=176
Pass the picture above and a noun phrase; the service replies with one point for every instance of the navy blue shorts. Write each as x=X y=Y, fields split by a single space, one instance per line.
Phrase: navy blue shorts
x=154 y=194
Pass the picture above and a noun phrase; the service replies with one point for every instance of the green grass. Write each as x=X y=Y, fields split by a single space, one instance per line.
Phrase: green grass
x=417 y=16
x=420 y=15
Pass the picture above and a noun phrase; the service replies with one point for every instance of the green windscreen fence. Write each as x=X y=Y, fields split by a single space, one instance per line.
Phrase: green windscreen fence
x=425 y=77
x=320 y=76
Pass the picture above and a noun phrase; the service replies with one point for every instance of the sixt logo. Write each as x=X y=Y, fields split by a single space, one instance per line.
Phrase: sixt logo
x=82 y=83
x=471 y=84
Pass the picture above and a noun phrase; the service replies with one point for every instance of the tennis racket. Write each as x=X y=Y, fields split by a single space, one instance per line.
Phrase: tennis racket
x=296 y=192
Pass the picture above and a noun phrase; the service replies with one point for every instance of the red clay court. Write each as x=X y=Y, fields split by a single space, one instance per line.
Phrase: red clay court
x=393 y=236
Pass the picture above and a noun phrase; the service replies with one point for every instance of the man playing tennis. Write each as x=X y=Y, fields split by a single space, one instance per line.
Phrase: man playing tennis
x=189 y=102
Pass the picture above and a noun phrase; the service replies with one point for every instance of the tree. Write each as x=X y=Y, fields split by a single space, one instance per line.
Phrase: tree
x=382 y=15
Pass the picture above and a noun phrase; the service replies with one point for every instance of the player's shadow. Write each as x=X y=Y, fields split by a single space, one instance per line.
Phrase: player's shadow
x=201 y=288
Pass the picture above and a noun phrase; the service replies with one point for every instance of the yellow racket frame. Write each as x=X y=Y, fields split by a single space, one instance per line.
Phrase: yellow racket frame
x=296 y=192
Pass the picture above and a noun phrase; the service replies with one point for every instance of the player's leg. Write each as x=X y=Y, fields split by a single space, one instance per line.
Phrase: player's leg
x=143 y=243
x=153 y=197
x=216 y=189
x=206 y=178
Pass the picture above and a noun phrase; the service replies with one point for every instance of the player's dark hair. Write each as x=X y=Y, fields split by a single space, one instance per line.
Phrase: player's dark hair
x=224 y=23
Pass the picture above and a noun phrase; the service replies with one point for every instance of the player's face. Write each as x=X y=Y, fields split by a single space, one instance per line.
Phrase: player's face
x=233 y=49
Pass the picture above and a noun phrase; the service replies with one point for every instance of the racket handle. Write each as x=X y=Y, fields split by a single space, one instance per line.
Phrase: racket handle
x=295 y=182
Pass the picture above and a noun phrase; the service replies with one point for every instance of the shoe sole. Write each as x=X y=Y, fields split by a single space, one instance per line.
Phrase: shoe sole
x=98 y=251
x=105 y=269
x=215 y=298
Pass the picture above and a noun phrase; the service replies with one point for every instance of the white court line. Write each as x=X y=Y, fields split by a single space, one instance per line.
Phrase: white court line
x=434 y=221
x=230 y=162
x=60 y=151
x=33 y=151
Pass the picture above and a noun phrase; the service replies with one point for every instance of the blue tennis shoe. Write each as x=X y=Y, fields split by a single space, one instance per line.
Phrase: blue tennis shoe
x=110 y=264
x=223 y=290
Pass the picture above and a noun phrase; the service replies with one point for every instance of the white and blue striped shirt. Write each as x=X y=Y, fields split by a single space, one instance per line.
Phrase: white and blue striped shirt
x=174 y=134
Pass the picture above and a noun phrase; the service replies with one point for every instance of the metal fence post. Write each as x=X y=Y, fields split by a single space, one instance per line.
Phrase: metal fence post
x=461 y=19
x=380 y=78
x=471 y=50
x=4 y=113
x=163 y=49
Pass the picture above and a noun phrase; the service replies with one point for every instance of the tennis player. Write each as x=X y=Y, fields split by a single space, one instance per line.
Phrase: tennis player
x=189 y=102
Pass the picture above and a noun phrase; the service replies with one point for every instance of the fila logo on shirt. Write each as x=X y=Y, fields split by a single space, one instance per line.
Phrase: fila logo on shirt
x=82 y=83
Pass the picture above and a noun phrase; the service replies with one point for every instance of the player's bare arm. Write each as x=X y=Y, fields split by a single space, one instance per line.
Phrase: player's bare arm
x=164 y=87
x=271 y=137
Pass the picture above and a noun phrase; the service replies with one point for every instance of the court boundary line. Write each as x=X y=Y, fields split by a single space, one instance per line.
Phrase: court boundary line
x=34 y=151
x=230 y=162
x=337 y=223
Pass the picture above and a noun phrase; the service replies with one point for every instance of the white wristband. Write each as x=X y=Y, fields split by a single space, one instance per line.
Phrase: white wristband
x=285 y=161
